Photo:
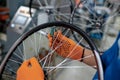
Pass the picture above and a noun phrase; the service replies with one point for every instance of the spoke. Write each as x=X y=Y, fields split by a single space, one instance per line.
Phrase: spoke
x=50 y=53
x=111 y=17
x=61 y=38
x=61 y=18
x=67 y=14
x=39 y=46
x=82 y=16
x=91 y=11
x=46 y=56
x=46 y=2
x=39 y=3
x=87 y=18
x=43 y=33
x=35 y=43
x=102 y=14
x=86 y=57
x=32 y=41
x=63 y=6
x=72 y=14
x=62 y=14
x=10 y=68
x=52 y=2
x=115 y=8
x=24 y=55
x=49 y=60
x=57 y=65
x=11 y=77
x=18 y=55
x=115 y=14
x=54 y=67
x=15 y=61
x=21 y=53
x=82 y=25
x=45 y=61
x=71 y=53
x=111 y=12
x=106 y=3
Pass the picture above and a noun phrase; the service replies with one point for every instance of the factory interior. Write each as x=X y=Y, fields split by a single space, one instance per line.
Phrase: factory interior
x=57 y=33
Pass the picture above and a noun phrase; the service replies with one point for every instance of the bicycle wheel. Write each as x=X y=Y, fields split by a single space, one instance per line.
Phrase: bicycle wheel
x=51 y=10
x=98 y=19
x=35 y=43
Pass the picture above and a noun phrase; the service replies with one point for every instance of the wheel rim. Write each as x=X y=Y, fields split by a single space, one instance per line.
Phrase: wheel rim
x=17 y=48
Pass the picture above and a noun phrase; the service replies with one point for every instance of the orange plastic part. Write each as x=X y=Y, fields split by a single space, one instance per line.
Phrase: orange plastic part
x=30 y=70
x=4 y=14
x=77 y=2
x=64 y=46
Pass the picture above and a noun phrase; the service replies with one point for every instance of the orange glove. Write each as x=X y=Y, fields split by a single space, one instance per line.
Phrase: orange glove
x=66 y=47
x=30 y=70
x=77 y=3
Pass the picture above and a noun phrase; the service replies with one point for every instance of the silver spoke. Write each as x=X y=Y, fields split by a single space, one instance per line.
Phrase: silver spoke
x=16 y=54
x=15 y=61
x=54 y=67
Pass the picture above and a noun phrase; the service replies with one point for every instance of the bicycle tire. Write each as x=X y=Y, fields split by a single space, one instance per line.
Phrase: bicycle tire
x=46 y=25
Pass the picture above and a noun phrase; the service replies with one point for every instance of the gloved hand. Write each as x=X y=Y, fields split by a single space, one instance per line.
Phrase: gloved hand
x=77 y=2
x=64 y=46
x=30 y=70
